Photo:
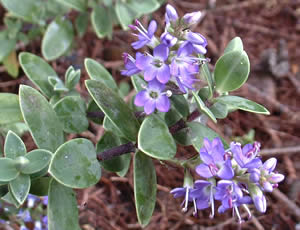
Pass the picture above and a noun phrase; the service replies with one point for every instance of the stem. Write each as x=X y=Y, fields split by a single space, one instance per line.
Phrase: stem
x=116 y=151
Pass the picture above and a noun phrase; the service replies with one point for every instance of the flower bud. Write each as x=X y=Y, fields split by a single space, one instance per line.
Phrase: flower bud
x=255 y=175
x=192 y=18
x=171 y=14
x=276 y=178
x=168 y=39
x=270 y=164
x=267 y=186
x=258 y=198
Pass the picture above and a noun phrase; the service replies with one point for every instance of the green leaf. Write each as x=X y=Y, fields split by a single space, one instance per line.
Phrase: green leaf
x=108 y=141
x=71 y=112
x=6 y=47
x=3 y=190
x=40 y=174
x=81 y=23
x=8 y=171
x=75 y=4
x=19 y=187
x=96 y=71
x=58 y=39
x=183 y=137
x=57 y=84
x=41 y=119
x=75 y=165
x=125 y=14
x=155 y=139
x=232 y=70
x=72 y=77
x=10 y=109
x=38 y=160
x=144 y=187
x=29 y=10
x=11 y=64
x=180 y=104
x=235 y=44
x=202 y=107
x=38 y=71
x=8 y=198
x=102 y=22
x=62 y=208
x=219 y=110
x=126 y=163
x=115 y=108
x=93 y=108
x=144 y=7
x=243 y=104
x=198 y=132
x=40 y=186
x=108 y=125
x=208 y=76
x=172 y=116
x=14 y=146
x=138 y=83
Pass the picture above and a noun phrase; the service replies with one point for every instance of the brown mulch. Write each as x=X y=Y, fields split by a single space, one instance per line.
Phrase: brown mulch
x=267 y=27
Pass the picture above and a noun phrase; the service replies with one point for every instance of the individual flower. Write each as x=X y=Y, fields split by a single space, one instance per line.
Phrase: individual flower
x=130 y=66
x=145 y=37
x=203 y=192
x=153 y=98
x=168 y=39
x=24 y=215
x=31 y=199
x=258 y=197
x=192 y=18
x=246 y=157
x=265 y=177
x=183 y=192
x=215 y=161
x=195 y=43
x=171 y=15
x=231 y=196
x=45 y=200
x=155 y=66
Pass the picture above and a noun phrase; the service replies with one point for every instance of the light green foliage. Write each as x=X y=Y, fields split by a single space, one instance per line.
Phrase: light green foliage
x=14 y=146
x=235 y=44
x=38 y=160
x=76 y=4
x=8 y=170
x=203 y=108
x=19 y=188
x=9 y=107
x=144 y=187
x=102 y=22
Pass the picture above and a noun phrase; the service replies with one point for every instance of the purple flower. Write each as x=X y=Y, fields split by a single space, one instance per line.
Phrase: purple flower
x=45 y=220
x=171 y=15
x=203 y=192
x=130 y=66
x=215 y=161
x=155 y=66
x=258 y=198
x=168 y=39
x=183 y=192
x=195 y=42
x=145 y=37
x=265 y=177
x=231 y=196
x=24 y=228
x=153 y=97
x=192 y=18
x=45 y=200
x=31 y=199
x=246 y=157
x=24 y=215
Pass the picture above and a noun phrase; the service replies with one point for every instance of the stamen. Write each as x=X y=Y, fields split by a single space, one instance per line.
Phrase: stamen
x=238 y=214
x=168 y=93
x=186 y=200
x=212 y=204
x=195 y=213
x=248 y=211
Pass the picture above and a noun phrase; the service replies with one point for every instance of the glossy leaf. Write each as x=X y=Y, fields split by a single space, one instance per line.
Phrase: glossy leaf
x=144 y=187
x=40 y=186
x=180 y=104
x=38 y=159
x=75 y=165
x=41 y=119
x=6 y=47
x=102 y=22
x=58 y=39
x=8 y=171
x=10 y=109
x=11 y=64
x=219 y=110
x=155 y=139
x=144 y=7
x=62 y=208
x=232 y=70
x=125 y=14
x=38 y=71
x=208 y=77
x=71 y=113
x=202 y=107
x=243 y=104
x=75 y=4
x=14 y=146
x=19 y=187
x=96 y=71
x=198 y=132
x=115 y=108
x=108 y=141
x=235 y=44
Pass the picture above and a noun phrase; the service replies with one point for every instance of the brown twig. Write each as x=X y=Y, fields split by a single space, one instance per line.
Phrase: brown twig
x=278 y=151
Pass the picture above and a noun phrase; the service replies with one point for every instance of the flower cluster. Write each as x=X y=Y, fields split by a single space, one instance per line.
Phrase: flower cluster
x=175 y=58
x=235 y=177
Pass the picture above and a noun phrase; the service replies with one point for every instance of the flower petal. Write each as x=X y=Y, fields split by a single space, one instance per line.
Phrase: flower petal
x=152 y=28
x=203 y=170
x=226 y=172
x=150 y=73
x=270 y=164
x=141 y=98
x=161 y=51
x=149 y=106
x=143 y=61
x=163 y=103
x=163 y=74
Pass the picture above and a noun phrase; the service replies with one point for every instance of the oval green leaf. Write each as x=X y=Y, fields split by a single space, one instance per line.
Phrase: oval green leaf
x=202 y=107
x=75 y=4
x=38 y=159
x=144 y=7
x=57 y=39
x=62 y=203
x=138 y=82
x=125 y=14
x=208 y=77
x=155 y=139
x=102 y=22
x=14 y=146
x=144 y=187
x=235 y=44
x=10 y=109
x=19 y=188
x=180 y=104
x=75 y=165
x=38 y=71
x=71 y=112
x=219 y=110
x=115 y=108
x=41 y=119
x=232 y=70
x=8 y=171
x=243 y=104
x=96 y=71
x=8 y=198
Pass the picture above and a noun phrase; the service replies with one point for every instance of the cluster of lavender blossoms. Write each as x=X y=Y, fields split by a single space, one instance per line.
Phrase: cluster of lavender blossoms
x=235 y=177
x=174 y=59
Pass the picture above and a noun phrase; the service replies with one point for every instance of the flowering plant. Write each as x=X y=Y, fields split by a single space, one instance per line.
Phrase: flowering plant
x=176 y=94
